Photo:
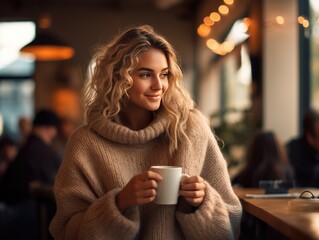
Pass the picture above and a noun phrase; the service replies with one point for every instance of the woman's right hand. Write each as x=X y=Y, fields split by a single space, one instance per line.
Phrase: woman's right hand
x=141 y=189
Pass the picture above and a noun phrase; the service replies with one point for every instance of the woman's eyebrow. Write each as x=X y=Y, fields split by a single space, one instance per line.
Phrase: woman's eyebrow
x=149 y=69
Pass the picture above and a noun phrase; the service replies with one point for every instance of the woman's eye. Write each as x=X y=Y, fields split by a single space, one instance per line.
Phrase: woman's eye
x=164 y=75
x=145 y=75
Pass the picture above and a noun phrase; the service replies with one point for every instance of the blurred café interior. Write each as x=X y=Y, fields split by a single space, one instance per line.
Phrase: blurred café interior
x=248 y=64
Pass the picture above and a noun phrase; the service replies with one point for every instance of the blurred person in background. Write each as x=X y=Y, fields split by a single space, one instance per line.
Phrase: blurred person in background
x=67 y=126
x=266 y=159
x=35 y=165
x=303 y=151
x=8 y=151
x=25 y=127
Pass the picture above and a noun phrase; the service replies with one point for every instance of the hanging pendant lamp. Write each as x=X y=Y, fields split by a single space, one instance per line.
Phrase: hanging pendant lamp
x=46 y=46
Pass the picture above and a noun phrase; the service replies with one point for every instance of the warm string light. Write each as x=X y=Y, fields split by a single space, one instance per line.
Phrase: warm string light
x=227 y=46
x=303 y=21
x=208 y=21
x=205 y=28
x=281 y=21
x=229 y=2
x=223 y=10
x=220 y=48
x=215 y=16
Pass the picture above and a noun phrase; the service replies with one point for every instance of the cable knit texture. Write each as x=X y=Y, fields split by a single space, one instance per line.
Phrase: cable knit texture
x=101 y=159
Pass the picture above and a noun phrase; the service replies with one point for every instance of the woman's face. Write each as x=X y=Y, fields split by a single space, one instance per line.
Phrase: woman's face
x=150 y=81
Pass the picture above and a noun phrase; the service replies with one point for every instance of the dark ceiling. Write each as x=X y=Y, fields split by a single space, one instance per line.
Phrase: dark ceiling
x=183 y=8
x=161 y=4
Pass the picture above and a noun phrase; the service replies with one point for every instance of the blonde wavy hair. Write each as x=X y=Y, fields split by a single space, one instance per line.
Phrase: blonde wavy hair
x=110 y=80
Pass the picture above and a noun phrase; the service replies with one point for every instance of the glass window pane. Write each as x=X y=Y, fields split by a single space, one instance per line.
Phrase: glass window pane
x=13 y=36
x=16 y=71
x=16 y=100
x=314 y=52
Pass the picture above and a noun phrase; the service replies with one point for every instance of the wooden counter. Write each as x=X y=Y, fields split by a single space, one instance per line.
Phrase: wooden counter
x=275 y=212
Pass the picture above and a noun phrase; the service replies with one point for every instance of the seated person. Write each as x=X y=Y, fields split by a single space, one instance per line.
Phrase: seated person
x=8 y=152
x=303 y=152
x=67 y=126
x=266 y=160
x=25 y=127
x=36 y=163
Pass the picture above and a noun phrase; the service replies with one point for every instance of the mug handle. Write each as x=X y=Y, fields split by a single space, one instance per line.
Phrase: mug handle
x=184 y=175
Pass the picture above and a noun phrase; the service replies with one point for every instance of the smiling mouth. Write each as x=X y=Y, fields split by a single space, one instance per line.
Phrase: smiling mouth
x=154 y=97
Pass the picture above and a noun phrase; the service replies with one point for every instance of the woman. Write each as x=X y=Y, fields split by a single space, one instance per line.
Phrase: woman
x=138 y=115
x=266 y=160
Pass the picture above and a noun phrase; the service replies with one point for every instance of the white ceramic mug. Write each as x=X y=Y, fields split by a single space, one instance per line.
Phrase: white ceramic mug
x=168 y=188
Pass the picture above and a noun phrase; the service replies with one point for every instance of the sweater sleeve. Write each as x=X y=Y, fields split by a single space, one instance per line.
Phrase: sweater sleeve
x=214 y=219
x=219 y=215
x=83 y=210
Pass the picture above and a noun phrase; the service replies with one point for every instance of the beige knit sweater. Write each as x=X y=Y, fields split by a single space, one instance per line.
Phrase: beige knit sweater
x=100 y=161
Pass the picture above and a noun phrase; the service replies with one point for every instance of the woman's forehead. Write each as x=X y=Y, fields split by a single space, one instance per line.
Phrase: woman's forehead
x=152 y=58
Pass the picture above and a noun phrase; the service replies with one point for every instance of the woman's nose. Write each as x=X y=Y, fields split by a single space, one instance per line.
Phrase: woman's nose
x=156 y=83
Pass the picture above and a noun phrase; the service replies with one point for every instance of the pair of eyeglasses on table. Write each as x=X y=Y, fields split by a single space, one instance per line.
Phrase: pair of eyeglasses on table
x=306 y=202
x=308 y=195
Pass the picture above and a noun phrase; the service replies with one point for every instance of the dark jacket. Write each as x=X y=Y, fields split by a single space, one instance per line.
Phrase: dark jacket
x=305 y=161
x=36 y=161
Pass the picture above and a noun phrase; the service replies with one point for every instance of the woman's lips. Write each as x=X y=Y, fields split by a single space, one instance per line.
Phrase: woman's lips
x=154 y=97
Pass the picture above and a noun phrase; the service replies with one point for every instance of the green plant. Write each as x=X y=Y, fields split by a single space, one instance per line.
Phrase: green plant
x=233 y=128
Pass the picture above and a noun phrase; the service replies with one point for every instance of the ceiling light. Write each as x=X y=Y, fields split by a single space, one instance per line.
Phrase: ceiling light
x=47 y=47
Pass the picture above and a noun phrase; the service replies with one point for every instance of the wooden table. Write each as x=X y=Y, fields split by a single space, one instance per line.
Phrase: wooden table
x=275 y=212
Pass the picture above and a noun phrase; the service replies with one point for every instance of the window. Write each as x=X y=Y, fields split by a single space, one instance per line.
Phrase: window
x=16 y=72
x=314 y=52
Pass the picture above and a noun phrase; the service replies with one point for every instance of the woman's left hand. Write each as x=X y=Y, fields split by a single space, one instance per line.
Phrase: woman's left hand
x=193 y=190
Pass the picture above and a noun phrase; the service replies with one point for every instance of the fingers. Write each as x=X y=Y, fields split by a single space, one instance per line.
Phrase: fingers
x=145 y=185
x=193 y=190
x=152 y=175
x=141 y=189
x=192 y=179
x=194 y=183
x=193 y=186
x=146 y=180
x=192 y=194
x=145 y=196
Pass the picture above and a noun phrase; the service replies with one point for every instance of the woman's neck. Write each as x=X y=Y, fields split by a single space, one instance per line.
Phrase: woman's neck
x=136 y=120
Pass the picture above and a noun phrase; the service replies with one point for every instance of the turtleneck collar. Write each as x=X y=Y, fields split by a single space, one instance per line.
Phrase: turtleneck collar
x=116 y=132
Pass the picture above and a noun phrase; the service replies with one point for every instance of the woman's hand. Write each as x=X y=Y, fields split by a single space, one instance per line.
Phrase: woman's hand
x=141 y=189
x=193 y=190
